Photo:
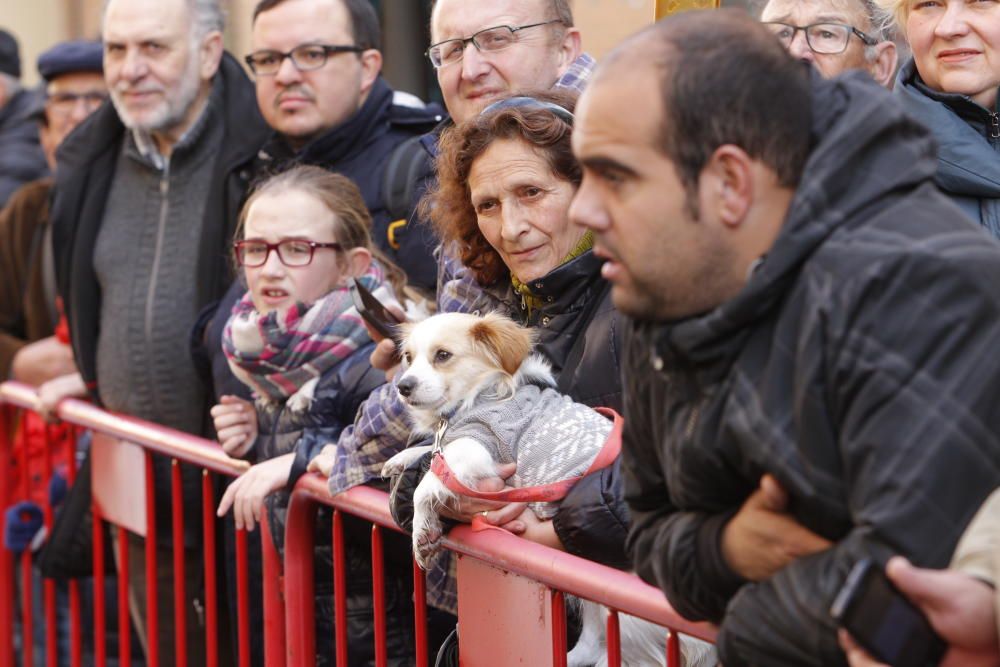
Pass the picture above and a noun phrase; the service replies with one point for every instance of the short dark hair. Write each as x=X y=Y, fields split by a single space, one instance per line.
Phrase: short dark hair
x=448 y=203
x=365 y=27
x=725 y=80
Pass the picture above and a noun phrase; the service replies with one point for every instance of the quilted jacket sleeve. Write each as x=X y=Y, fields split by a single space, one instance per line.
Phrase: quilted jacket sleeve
x=914 y=397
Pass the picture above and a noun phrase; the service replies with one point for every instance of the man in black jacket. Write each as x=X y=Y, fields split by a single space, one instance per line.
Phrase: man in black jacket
x=147 y=195
x=811 y=376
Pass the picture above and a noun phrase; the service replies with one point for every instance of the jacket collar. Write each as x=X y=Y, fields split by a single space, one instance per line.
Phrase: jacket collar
x=968 y=164
x=855 y=123
x=343 y=141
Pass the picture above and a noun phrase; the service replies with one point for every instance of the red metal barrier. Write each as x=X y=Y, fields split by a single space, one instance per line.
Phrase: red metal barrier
x=289 y=630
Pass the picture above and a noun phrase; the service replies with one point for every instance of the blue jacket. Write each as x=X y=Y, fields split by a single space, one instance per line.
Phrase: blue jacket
x=968 y=139
x=21 y=158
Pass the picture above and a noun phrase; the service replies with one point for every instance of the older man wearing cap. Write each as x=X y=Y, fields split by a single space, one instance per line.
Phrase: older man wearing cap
x=21 y=159
x=28 y=349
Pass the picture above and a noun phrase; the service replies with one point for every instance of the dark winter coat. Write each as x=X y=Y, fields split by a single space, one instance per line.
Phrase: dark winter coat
x=857 y=366
x=968 y=138
x=87 y=162
x=21 y=158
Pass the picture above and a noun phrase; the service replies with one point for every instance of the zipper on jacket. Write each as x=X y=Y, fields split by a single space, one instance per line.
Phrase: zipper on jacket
x=994 y=125
x=160 y=232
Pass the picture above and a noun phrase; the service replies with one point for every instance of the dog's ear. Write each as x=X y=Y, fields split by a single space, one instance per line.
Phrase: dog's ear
x=505 y=340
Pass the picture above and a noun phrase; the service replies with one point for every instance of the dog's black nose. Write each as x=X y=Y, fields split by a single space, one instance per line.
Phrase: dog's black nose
x=405 y=386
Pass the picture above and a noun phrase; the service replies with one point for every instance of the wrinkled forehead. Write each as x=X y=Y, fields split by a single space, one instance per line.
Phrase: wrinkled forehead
x=139 y=20
x=806 y=12
x=452 y=19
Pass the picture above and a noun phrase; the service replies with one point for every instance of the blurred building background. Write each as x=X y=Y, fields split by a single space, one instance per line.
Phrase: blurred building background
x=40 y=23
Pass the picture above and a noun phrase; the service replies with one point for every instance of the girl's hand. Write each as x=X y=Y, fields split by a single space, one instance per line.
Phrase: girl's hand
x=247 y=492
x=236 y=425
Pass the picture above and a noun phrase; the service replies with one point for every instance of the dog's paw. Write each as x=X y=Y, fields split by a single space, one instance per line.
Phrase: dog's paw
x=401 y=461
x=426 y=544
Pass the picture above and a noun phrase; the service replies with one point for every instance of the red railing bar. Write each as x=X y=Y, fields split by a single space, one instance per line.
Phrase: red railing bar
x=170 y=442
x=558 y=629
x=614 y=640
x=274 y=603
x=27 y=613
x=7 y=568
x=242 y=598
x=339 y=589
x=75 y=617
x=300 y=628
x=124 y=634
x=100 y=605
x=49 y=585
x=76 y=635
x=555 y=569
x=211 y=596
x=673 y=650
x=378 y=596
x=152 y=587
x=180 y=594
x=420 y=613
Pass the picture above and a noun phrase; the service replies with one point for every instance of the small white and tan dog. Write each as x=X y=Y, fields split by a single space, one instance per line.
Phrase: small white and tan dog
x=473 y=382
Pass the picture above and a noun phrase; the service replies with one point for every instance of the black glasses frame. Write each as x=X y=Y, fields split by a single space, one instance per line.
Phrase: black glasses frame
x=438 y=64
x=865 y=38
x=328 y=50
x=239 y=245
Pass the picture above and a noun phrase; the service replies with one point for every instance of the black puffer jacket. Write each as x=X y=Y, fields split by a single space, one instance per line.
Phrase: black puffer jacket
x=21 y=158
x=592 y=520
x=858 y=366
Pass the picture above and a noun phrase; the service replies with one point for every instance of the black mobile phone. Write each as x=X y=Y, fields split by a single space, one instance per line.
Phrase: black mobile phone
x=377 y=315
x=883 y=621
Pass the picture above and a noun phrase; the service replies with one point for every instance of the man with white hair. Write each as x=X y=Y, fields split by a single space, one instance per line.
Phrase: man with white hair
x=833 y=35
x=147 y=194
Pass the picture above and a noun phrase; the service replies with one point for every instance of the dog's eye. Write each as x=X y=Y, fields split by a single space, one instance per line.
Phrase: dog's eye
x=406 y=358
x=442 y=356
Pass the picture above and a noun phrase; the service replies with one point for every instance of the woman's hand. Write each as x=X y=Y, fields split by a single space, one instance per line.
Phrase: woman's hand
x=463 y=508
x=236 y=425
x=247 y=492
x=530 y=527
x=55 y=390
x=323 y=462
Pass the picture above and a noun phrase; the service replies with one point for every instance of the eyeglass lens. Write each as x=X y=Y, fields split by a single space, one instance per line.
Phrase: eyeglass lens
x=826 y=38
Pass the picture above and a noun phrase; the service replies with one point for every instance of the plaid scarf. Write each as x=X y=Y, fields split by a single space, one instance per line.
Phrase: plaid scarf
x=278 y=356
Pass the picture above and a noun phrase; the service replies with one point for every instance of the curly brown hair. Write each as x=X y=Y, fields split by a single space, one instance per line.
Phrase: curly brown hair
x=448 y=205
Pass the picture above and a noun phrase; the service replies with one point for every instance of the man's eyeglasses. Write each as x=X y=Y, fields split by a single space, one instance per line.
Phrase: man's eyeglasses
x=305 y=57
x=291 y=252
x=825 y=38
x=64 y=103
x=497 y=38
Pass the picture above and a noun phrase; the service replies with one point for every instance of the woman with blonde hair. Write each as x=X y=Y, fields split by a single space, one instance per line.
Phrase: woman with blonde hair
x=950 y=84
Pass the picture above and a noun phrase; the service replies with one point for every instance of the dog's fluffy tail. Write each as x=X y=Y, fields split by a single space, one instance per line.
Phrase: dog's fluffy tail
x=535 y=370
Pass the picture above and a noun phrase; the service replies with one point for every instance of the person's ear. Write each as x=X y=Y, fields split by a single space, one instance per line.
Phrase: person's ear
x=726 y=185
x=371 y=67
x=883 y=66
x=358 y=262
x=569 y=49
x=210 y=53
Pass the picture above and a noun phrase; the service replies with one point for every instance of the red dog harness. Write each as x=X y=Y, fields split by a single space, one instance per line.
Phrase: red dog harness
x=544 y=492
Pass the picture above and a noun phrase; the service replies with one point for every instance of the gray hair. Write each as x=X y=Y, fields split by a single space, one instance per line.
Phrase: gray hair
x=207 y=16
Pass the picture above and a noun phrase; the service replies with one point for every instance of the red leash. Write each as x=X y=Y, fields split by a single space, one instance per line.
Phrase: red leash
x=545 y=493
